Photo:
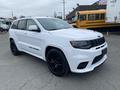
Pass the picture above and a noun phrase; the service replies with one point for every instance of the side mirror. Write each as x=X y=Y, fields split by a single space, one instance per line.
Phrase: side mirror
x=33 y=28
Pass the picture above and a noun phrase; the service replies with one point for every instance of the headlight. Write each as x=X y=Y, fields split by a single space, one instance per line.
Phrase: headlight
x=81 y=44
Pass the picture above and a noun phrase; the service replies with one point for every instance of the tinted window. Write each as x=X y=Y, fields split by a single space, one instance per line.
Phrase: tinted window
x=91 y=17
x=82 y=17
x=102 y=16
x=14 y=25
x=53 y=24
x=30 y=22
x=97 y=17
x=22 y=24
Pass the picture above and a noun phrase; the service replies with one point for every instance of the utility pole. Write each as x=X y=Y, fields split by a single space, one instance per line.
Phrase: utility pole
x=12 y=14
x=60 y=14
x=55 y=14
x=64 y=16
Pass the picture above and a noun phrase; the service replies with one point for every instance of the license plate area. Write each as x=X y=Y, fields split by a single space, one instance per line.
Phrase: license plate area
x=104 y=51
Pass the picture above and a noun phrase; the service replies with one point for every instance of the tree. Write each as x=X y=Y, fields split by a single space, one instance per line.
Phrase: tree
x=14 y=18
x=22 y=16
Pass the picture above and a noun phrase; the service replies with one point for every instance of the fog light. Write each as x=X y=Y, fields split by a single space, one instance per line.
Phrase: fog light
x=82 y=65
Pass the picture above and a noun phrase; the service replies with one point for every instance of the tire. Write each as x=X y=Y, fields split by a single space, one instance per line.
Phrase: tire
x=57 y=63
x=14 y=48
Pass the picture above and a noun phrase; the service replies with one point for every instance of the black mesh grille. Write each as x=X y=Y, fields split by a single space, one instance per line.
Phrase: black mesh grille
x=98 y=58
x=98 y=42
x=82 y=65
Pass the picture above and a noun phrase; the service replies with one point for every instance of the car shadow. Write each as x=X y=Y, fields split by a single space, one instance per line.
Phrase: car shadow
x=42 y=66
x=96 y=72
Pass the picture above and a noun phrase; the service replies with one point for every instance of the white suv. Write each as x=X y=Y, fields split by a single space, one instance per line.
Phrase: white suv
x=63 y=47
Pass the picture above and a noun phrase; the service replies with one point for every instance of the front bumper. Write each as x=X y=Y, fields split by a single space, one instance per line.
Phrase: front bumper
x=77 y=56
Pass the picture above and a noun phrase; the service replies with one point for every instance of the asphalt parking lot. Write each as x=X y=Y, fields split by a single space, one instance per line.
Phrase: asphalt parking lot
x=26 y=72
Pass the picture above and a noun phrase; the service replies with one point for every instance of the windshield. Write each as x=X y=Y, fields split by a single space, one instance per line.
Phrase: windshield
x=51 y=24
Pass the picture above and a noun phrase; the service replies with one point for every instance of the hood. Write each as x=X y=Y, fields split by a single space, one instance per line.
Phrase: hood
x=77 y=34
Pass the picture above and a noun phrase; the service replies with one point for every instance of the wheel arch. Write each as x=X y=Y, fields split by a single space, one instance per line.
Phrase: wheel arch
x=14 y=41
x=52 y=47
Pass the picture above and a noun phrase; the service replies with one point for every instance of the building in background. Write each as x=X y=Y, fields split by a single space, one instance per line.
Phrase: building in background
x=113 y=11
x=72 y=14
x=101 y=2
x=90 y=16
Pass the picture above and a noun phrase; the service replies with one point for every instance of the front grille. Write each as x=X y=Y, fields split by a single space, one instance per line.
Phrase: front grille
x=97 y=42
x=98 y=58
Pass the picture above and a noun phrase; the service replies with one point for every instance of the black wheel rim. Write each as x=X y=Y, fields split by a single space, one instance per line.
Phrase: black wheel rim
x=55 y=63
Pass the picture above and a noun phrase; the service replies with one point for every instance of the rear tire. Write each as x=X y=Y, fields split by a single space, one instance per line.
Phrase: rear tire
x=57 y=63
x=14 y=48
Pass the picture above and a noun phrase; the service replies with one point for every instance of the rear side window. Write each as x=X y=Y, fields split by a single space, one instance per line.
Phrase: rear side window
x=91 y=17
x=14 y=25
x=82 y=17
x=102 y=16
x=22 y=25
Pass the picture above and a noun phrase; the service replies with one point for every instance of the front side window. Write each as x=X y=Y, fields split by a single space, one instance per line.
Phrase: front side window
x=74 y=19
x=22 y=25
x=51 y=24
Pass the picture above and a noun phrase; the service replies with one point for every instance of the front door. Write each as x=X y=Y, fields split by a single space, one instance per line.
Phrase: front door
x=33 y=39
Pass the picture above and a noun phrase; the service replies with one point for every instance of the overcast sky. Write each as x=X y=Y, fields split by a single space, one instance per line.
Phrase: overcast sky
x=37 y=7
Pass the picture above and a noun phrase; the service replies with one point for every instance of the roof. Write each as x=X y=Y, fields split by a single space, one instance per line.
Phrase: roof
x=93 y=11
x=34 y=18
x=85 y=8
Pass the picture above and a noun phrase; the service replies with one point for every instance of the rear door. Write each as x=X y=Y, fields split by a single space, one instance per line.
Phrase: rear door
x=20 y=32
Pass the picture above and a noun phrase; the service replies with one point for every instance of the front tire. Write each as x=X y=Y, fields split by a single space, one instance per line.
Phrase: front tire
x=14 y=48
x=57 y=63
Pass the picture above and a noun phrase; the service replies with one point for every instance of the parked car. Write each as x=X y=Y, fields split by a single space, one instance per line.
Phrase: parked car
x=63 y=47
x=3 y=26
